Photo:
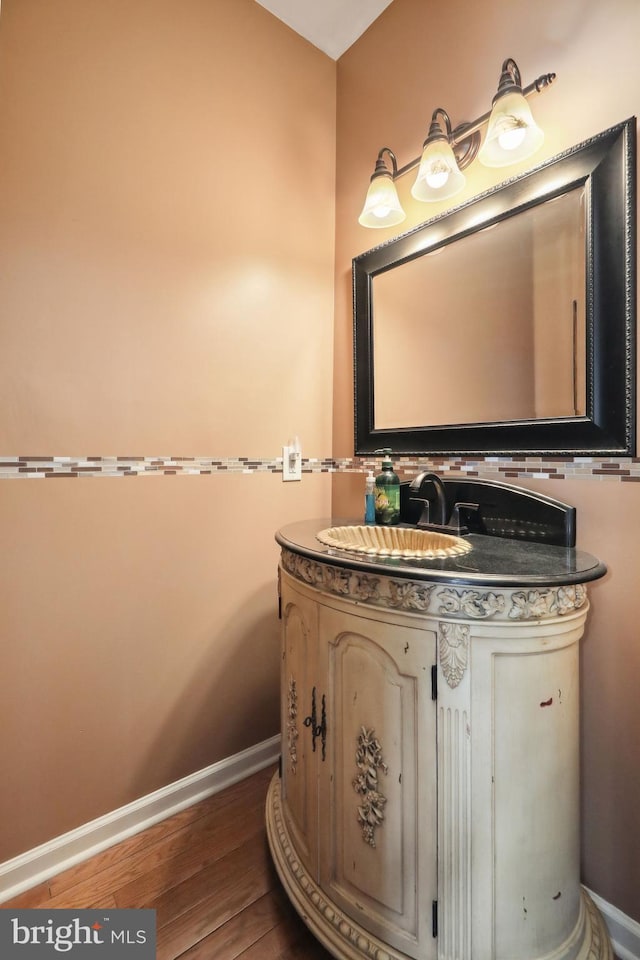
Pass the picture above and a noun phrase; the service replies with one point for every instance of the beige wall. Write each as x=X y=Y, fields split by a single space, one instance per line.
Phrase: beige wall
x=419 y=55
x=166 y=288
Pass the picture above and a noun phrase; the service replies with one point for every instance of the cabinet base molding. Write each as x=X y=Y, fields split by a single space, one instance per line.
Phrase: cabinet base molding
x=596 y=944
x=346 y=940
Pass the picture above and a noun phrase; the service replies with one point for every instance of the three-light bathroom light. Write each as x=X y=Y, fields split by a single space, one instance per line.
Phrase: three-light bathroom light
x=512 y=135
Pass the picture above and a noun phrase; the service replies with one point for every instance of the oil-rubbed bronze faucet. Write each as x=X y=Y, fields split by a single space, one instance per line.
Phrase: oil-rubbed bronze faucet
x=440 y=517
x=455 y=525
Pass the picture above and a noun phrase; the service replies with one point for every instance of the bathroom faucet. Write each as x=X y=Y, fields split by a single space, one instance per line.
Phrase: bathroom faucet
x=440 y=518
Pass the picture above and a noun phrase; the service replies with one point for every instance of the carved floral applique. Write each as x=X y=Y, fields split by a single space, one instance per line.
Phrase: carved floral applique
x=471 y=603
x=429 y=597
x=337 y=580
x=453 y=650
x=366 y=588
x=570 y=598
x=531 y=605
x=369 y=761
x=292 y=725
x=308 y=571
x=409 y=595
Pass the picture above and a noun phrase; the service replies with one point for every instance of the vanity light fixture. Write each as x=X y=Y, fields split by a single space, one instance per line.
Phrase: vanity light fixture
x=512 y=135
x=439 y=176
x=382 y=207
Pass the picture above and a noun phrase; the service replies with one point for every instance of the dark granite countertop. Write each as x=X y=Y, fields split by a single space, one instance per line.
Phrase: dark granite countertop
x=492 y=561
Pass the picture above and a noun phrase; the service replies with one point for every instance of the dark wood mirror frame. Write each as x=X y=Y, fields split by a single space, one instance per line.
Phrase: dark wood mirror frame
x=606 y=166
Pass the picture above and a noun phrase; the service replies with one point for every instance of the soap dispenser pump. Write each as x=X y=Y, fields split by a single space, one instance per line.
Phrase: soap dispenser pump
x=370 y=499
x=387 y=492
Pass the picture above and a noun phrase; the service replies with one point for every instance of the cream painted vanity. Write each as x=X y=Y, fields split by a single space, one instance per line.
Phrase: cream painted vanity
x=428 y=800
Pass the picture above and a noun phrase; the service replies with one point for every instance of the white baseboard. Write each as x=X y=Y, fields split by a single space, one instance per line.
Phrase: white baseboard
x=51 y=858
x=624 y=932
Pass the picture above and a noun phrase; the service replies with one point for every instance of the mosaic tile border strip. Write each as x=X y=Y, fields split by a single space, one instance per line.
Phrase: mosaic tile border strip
x=34 y=468
x=625 y=469
x=511 y=468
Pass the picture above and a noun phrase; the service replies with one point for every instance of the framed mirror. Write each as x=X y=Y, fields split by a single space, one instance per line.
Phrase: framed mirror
x=507 y=326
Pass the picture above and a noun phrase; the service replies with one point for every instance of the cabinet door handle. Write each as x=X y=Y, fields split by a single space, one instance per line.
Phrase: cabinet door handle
x=317 y=729
x=311 y=720
x=323 y=728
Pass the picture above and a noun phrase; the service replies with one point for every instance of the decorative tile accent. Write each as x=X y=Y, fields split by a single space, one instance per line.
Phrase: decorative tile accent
x=511 y=468
x=38 y=468
x=622 y=469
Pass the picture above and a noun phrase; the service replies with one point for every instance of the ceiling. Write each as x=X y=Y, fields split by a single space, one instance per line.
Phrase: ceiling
x=331 y=25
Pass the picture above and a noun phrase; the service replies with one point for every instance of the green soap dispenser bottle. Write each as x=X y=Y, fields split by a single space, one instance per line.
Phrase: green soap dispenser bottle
x=387 y=493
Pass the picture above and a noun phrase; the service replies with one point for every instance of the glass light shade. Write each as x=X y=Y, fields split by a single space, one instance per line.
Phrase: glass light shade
x=512 y=134
x=381 y=206
x=438 y=174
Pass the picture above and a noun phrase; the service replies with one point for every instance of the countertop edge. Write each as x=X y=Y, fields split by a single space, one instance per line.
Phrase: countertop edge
x=558 y=573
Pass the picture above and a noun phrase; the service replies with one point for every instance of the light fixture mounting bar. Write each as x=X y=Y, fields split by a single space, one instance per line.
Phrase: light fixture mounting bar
x=465 y=131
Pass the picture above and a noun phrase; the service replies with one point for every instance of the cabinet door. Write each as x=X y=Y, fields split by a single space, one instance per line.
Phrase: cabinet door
x=378 y=790
x=299 y=768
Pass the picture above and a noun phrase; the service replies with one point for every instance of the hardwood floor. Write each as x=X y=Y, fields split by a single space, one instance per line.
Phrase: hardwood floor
x=208 y=874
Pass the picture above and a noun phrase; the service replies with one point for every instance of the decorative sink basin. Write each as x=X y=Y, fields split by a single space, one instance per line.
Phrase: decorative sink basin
x=394 y=542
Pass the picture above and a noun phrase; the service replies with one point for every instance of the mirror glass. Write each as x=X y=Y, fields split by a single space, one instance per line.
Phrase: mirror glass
x=507 y=325
x=508 y=343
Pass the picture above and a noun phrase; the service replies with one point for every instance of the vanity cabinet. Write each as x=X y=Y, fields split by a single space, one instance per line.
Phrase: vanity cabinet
x=427 y=805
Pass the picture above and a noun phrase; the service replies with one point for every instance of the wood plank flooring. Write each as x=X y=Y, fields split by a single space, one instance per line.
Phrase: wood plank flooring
x=208 y=874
